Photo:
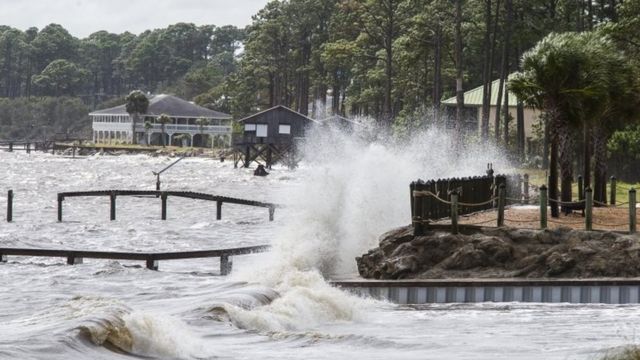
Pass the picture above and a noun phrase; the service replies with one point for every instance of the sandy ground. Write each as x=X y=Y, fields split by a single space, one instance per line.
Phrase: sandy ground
x=528 y=216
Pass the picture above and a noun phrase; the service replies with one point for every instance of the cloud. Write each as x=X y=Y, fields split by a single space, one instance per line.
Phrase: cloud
x=83 y=17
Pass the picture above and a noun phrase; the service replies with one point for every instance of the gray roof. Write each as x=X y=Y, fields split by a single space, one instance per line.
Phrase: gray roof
x=278 y=108
x=340 y=119
x=170 y=105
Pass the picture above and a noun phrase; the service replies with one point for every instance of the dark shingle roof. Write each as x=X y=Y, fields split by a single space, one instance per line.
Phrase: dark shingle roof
x=170 y=105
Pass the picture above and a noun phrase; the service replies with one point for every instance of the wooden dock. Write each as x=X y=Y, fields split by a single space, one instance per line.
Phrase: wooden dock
x=151 y=259
x=163 y=195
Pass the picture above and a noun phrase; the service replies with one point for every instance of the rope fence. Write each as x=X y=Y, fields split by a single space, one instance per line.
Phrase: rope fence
x=585 y=204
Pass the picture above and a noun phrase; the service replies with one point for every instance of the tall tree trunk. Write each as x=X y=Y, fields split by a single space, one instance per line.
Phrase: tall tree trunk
x=554 y=139
x=520 y=130
x=586 y=151
x=134 y=122
x=565 y=157
x=553 y=178
x=486 y=71
x=459 y=73
x=437 y=72
x=600 y=165
x=546 y=143
x=507 y=51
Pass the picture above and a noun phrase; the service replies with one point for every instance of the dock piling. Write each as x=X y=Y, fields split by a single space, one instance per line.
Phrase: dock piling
x=163 y=196
x=112 y=197
x=60 y=199
x=226 y=264
x=10 y=206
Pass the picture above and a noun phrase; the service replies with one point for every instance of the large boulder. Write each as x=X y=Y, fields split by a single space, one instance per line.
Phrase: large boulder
x=502 y=252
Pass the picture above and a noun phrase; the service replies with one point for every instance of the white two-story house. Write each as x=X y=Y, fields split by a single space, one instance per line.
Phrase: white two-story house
x=114 y=125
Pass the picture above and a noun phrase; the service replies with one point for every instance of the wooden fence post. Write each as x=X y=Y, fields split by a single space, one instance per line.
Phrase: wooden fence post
x=588 y=209
x=418 y=228
x=502 y=194
x=454 y=212
x=10 y=206
x=580 y=188
x=543 y=207
x=218 y=210
x=526 y=189
x=163 y=197
x=613 y=191
x=272 y=211
x=60 y=199
x=632 y=210
x=10 y=147
x=112 y=197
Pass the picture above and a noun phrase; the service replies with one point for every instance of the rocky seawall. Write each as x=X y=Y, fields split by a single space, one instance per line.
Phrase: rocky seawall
x=502 y=253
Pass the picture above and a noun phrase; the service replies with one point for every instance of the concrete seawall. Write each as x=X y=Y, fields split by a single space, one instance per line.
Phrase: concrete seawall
x=576 y=291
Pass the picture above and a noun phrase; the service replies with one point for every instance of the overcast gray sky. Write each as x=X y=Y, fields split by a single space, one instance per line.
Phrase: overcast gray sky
x=83 y=17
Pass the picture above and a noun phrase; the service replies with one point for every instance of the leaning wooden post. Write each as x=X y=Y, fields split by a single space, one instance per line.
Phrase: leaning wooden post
x=454 y=212
x=588 y=209
x=613 y=191
x=543 y=207
x=218 y=210
x=163 y=196
x=502 y=197
x=60 y=199
x=632 y=210
x=580 y=188
x=10 y=206
x=112 y=197
x=526 y=189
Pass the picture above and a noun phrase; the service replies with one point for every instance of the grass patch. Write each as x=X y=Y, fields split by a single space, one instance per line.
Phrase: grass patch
x=538 y=177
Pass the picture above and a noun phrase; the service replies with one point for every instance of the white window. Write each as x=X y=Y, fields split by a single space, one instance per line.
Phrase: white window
x=284 y=129
x=249 y=127
x=261 y=130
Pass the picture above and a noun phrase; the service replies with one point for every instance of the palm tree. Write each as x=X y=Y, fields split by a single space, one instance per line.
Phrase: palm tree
x=620 y=100
x=164 y=119
x=202 y=122
x=137 y=103
x=147 y=126
x=555 y=78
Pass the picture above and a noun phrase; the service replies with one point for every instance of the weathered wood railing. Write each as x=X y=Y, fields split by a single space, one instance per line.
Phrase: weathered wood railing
x=472 y=194
x=151 y=259
x=113 y=194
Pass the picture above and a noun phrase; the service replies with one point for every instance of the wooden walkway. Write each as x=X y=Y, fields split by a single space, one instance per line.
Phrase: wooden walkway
x=163 y=195
x=151 y=259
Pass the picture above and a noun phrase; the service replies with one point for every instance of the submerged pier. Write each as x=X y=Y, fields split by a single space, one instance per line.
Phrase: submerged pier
x=151 y=259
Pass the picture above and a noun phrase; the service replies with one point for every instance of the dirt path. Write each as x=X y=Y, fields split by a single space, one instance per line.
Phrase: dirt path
x=528 y=217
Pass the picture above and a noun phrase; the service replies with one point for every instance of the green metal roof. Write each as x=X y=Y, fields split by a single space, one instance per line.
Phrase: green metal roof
x=474 y=97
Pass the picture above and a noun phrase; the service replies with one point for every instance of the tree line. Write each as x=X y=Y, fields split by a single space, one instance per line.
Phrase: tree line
x=394 y=60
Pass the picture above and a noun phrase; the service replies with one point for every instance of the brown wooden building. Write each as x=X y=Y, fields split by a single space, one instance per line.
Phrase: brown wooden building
x=271 y=135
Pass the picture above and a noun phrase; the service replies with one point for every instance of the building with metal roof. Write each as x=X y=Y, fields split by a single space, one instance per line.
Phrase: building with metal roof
x=115 y=124
x=473 y=102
